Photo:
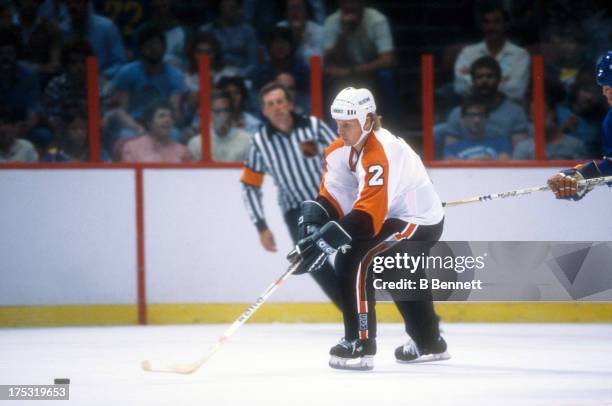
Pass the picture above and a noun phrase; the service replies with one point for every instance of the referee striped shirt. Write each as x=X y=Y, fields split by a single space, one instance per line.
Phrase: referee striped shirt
x=296 y=174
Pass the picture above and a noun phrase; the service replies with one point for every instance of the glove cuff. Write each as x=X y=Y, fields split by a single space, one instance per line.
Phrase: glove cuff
x=582 y=172
x=313 y=213
x=331 y=237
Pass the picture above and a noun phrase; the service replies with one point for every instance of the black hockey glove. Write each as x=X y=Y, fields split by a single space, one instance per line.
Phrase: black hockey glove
x=311 y=219
x=311 y=252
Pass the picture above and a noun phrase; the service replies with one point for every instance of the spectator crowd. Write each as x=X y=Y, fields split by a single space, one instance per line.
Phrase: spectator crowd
x=491 y=84
x=147 y=54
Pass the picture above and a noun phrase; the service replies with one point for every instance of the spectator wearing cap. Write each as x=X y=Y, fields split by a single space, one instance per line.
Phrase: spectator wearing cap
x=155 y=144
x=513 y=60
x=13 y=148
x=101 y=32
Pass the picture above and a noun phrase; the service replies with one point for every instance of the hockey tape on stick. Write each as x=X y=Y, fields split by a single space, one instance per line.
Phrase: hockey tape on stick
x=588 y=183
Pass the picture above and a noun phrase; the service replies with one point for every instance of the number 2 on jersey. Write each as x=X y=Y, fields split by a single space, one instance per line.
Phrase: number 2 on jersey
x=377 y=175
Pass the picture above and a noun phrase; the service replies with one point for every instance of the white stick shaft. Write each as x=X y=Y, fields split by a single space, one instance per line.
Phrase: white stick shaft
x=520 y=192
x=192 y=367
x=246 y=315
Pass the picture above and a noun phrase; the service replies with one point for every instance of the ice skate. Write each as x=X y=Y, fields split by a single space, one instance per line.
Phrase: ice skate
x=411 y=353
x=353 y=354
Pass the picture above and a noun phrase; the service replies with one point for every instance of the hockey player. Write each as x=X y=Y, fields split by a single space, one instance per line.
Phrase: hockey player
x=375 y=195
x=564 y=184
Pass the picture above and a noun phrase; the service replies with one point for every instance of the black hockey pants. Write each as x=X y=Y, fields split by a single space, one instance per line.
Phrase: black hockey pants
x=356 y=280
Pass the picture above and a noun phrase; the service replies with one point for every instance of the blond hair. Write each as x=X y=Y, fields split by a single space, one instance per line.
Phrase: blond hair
x=376 y=121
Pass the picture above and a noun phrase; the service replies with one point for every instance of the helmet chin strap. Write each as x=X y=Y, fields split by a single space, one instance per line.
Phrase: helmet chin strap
x=364 y=133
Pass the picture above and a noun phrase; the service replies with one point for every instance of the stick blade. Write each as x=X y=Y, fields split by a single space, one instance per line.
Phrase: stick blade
x=185 y=369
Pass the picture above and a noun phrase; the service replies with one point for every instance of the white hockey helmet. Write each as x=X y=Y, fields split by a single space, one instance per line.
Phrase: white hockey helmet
x=353 y=103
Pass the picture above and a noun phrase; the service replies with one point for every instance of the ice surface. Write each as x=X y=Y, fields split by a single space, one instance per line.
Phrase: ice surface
x=286 y=364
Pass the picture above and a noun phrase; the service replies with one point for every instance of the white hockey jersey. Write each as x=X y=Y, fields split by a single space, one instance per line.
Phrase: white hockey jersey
x=387 y=179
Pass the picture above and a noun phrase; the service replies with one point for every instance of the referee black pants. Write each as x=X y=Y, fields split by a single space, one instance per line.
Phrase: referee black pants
x=325 y=276
x=353 y=268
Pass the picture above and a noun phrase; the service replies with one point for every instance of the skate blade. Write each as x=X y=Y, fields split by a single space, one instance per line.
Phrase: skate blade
x=365 y=363
x=427 y=358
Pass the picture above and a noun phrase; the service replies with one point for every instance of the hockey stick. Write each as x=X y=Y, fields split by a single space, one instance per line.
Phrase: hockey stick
x=188 y=368
x=520 y=192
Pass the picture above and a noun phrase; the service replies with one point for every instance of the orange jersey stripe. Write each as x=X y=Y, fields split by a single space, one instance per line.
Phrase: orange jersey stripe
x=337 y=144
x=373 y=198
x=252 y=178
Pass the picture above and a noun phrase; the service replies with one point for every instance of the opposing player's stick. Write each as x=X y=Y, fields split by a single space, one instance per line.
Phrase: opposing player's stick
x=189 y=368
x=520 y=192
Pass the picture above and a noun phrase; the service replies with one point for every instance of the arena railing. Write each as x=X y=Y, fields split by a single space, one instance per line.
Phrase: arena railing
x=317 y=108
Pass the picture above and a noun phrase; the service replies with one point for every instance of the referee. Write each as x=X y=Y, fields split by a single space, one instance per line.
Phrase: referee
x=289 y=147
